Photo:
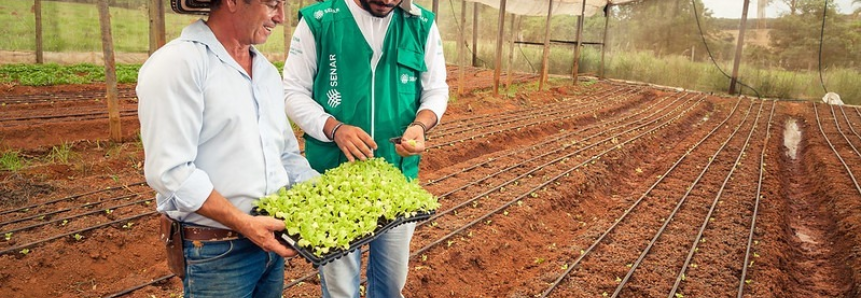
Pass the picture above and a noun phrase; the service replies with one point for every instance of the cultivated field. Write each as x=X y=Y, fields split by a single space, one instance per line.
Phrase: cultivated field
x=602 y=189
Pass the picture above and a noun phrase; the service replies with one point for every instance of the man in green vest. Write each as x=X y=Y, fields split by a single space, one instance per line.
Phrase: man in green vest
x=359 y=73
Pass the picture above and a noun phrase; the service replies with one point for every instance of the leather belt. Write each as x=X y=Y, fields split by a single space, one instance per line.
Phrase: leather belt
x=201 y=233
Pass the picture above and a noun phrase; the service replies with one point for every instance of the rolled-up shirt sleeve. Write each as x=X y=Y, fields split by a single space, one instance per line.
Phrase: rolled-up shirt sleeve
x=299 y=71
x=171 y=116
x=434 y=95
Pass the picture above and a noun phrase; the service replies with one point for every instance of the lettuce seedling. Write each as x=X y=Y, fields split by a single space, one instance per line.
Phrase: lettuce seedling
x=346 y=203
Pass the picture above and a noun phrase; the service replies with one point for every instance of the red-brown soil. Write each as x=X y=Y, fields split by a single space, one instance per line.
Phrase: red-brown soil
x=563 y=192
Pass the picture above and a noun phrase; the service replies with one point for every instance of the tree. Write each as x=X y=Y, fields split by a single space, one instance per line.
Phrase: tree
x=796 y=38
x=667 y=27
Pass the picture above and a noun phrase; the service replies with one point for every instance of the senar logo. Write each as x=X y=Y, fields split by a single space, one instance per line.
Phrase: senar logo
x=334 y=98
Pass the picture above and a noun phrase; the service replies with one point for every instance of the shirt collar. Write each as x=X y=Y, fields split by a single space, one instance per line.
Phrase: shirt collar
x=200 y=32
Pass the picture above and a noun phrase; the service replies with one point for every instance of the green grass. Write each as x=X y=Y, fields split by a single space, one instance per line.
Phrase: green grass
x=61 y=154
x=11 y=161
x=74 y=27
x=54 y=74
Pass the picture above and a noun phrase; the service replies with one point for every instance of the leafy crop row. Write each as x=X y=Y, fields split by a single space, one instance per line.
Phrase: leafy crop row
x=346 y=203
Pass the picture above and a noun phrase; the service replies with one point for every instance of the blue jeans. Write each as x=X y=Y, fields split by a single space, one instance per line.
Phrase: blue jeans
x=388 y=264
x=232 y=268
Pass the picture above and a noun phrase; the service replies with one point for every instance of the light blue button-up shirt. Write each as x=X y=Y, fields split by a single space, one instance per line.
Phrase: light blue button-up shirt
x=207 y=125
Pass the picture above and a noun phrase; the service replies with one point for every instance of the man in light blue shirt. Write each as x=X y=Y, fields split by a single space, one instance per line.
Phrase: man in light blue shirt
x=216 y=139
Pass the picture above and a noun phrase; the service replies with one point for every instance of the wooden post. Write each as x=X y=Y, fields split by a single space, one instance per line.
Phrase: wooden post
x=546 y=54
x=288 y=28
x=110 y=71
x=501 y=26
x=580 y=21
x=37 y=11
x=607 y=12
x=476 y=8
x=738 y=48
x=157 y=34
x=511 y=51
x=461 y=50
x=436 y=9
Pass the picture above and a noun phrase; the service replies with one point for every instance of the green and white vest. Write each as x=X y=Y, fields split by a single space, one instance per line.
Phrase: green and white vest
x=383 y=102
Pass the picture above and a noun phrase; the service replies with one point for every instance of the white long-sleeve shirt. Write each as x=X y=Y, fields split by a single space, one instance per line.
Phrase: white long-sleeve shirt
x=207 y=125
x=301 y=68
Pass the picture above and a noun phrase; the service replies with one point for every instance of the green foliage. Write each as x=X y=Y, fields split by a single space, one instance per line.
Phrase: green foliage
x=54 y=74
x=796 y=38
x=62 y=154
x=11 y=161
x=346 y=203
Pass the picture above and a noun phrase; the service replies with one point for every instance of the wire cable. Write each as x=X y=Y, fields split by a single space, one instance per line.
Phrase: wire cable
x=462 y=31
x=711 y=57
x=822 y=41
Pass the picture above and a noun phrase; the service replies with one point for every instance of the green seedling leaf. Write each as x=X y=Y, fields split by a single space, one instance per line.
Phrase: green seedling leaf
x=346 y=203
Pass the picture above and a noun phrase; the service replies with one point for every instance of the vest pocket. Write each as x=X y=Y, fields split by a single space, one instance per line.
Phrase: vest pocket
x=410 y=66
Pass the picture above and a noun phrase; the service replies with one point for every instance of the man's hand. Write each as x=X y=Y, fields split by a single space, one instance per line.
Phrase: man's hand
x=261 y=230
x=355 y=142
x=412 y=142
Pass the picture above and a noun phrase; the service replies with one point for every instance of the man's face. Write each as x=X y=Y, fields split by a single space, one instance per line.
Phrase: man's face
x=263 y=16
x=380 y=8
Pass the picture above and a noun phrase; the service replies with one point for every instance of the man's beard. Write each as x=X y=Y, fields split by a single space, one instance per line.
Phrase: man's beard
x=366 y=5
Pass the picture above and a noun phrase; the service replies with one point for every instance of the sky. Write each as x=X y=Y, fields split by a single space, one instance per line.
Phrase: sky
x=732 y=8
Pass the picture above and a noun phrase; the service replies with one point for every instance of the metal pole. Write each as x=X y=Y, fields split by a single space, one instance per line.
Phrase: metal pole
x=546 y=54
x=110 y=71
x=37 y=11
x=476 y=8
x=607 y=12
x=501 y=26
x=738 y=48
x=579 y=43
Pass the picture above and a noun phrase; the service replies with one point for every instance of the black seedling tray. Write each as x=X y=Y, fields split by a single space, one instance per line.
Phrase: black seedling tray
x=382 y=227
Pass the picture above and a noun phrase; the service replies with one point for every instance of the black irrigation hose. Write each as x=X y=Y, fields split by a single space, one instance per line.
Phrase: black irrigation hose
x=695 y=245
x=553 y=140
x=708 y=50
x=758 y=195
x=842 y=161
x=543 y=113
x=534 y=123
x=551 y=180
x=82 y=115
x=138 y=287
x=636 y=203
x=312 y=273
x=669 y=218
x=846 y=117
x=31 y=244
x=19 y=209
x=837 y=123
x=45 y=214
x=111 y=208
